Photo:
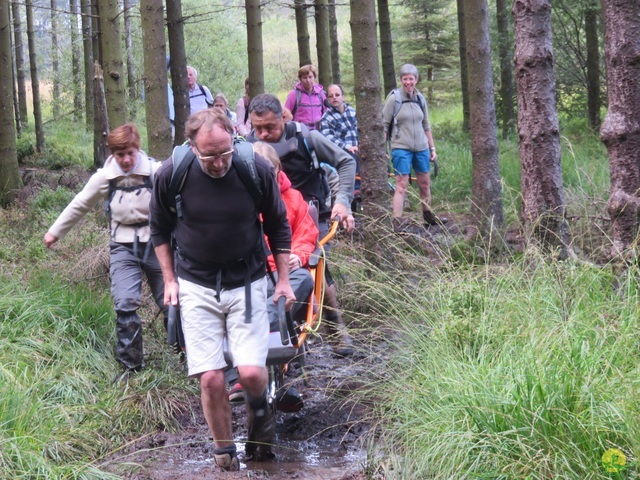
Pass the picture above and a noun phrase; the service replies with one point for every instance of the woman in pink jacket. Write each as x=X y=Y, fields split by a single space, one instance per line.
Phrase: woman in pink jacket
x=306 y=101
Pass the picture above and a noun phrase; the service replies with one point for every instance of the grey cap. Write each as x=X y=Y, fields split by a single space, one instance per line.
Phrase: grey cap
x=408 y=69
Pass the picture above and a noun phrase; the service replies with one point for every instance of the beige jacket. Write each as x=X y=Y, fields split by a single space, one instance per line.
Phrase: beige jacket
x=128 y=209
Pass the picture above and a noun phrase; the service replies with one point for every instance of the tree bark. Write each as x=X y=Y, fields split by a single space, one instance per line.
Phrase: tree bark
x=75 y=61
x=506 y=75
x=464 y=70
x=543 y=210
x=302 y=28
x=155 y=79
x=336 y=76
x=131 y=77
x=35 y=85
x=386 y=46
x=55 y=62
x=96 y=43
x=486 y=186
x=112 y=65
x=591 y=15
x=323 y=42
x=18 y=48
x=175 y=27
x=85 y=6
x=620 y=130
x=10 y=180
x=366 y=69
x=16 y=106
x=101 y=122
x=254 y=47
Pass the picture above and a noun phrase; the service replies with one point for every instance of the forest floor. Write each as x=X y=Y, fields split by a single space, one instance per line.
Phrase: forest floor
x=325 y=440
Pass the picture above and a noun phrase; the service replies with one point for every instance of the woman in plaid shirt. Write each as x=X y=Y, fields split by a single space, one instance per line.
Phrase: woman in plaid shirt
x=340 y=125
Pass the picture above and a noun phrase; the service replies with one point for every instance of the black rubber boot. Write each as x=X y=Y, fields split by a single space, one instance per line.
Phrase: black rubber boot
x=261 y=429
x=129 y=345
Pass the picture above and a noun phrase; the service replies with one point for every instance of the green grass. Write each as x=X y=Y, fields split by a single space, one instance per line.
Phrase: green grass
x=527 y=370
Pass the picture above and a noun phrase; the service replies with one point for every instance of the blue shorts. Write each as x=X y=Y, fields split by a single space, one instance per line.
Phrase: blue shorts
x=403 y=160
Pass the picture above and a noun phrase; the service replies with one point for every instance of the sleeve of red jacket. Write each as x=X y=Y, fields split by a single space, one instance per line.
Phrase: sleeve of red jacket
x=305 y=233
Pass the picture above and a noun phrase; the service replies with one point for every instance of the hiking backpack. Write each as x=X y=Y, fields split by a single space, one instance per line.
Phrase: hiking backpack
x=113 y=188
x=419 y=99
x=323 y=97
x=244 y=161
x=206 y=99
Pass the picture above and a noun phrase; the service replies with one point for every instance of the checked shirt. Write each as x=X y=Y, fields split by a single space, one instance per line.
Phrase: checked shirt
x=340 y=128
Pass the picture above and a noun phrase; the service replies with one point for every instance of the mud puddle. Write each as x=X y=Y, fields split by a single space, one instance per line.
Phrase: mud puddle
x=325 y=440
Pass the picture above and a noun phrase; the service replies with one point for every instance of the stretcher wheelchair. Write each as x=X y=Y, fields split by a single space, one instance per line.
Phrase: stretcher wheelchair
x=288 y=344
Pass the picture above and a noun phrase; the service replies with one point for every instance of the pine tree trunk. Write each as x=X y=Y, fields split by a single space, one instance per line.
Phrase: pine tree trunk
x=18 y=49
x=16 y=106
x=10 y=180
x=335 y=44
x=96 y=43
x=175 y=27
x=486 y=186
x=88 y=62
x=112 y=65
x=35 y=85
x=155 y=79
x=506 y=75
x=75 y=61
x=620 y=130
x=386 y=46
x=371 y=136
x=55 y=62
x=101 y=119
x=131 y=77
x=302 y=28
x=254 y=47
x=464 y=70
x=323 y=42
x=593 y=64
x=543 y=210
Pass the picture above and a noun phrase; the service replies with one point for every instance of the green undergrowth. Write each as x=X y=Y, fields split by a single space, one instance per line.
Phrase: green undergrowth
x=60 y=410
x=522 y=370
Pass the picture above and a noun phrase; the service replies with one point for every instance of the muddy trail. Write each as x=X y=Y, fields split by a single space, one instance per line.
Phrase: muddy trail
x=325 y=440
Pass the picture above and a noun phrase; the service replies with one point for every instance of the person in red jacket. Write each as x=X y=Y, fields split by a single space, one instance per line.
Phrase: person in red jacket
x=304 y=237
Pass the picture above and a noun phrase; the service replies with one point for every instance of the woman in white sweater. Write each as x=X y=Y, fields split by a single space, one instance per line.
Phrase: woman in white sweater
x=124 y=183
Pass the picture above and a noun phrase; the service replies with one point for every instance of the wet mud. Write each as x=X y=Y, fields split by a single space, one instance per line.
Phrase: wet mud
x=325 y=440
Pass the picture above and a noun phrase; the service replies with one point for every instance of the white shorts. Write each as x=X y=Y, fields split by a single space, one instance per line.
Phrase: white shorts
x=205 y=322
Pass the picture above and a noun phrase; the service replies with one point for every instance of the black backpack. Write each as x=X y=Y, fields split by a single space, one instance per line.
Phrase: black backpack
x=243 y=160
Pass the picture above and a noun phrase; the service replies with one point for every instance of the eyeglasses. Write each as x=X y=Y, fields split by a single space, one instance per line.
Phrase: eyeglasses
x=211 y=158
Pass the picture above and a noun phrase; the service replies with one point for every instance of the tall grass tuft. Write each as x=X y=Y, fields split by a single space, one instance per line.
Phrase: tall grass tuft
x=60 y=410
x=522 y=370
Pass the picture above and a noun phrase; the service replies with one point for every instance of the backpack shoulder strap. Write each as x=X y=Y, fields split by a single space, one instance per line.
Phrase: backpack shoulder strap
x=304 y=134
x=298 y=97
x=398 y=105
x=245 y=162
x=204 y=94
x=181 y=158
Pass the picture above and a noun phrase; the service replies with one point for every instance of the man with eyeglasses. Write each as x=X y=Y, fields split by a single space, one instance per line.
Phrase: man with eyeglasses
x=219 y=278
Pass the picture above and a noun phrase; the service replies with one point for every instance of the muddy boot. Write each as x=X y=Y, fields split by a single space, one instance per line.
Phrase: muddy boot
x=129 y=344
x=226 y=458
x=261 y=429
x=339 y=338
x=430 y=219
